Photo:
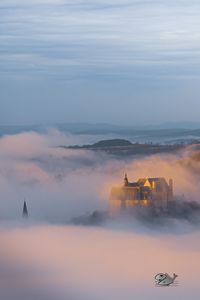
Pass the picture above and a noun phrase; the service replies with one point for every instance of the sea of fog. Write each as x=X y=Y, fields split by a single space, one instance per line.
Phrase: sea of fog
x=46 y=258
x=46 y=262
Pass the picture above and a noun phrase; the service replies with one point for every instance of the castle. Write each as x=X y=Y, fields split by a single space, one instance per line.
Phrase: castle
x=145 y=192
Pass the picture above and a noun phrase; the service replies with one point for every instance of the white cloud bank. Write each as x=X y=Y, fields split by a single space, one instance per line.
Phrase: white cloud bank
x=78 y=263
x=59 y=184
x=43 y=262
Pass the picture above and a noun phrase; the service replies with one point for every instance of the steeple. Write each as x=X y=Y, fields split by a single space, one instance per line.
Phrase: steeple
x=125 y=180
x=25 y=210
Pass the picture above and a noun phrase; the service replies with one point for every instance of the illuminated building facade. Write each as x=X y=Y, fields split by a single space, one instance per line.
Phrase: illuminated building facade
x=145 y=192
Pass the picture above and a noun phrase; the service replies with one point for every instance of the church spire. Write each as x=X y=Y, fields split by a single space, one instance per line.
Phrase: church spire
x=125 y=180
x=25 y=210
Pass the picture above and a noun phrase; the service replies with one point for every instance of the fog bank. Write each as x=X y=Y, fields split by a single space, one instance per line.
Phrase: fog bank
x=54 y=262
x=59 y=184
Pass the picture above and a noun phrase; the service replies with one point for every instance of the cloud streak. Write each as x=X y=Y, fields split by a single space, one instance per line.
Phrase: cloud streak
x=94 y=36
x=93 y=54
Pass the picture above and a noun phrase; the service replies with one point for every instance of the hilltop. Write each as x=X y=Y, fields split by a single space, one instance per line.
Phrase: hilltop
x=122 y=147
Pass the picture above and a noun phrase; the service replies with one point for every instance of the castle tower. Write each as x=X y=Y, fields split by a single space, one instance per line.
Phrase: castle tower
x=125 y=180
x=153 y=185
x=170 y=195
x=25 y=210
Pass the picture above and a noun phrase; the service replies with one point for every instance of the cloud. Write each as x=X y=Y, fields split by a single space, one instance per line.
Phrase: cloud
x=57 y=183
x=119 y=261
x=98 y=36
x=182 y=168
x=60 y=184
x=93 y=54
x=82 y=263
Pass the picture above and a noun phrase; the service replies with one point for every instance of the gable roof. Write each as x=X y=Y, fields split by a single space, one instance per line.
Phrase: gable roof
x=141 y=181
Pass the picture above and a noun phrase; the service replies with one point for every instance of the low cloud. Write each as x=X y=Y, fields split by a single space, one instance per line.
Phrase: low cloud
x=114 y=262
x=60 y=184
x=82 y=263
x=183 y=168
x=56 y=182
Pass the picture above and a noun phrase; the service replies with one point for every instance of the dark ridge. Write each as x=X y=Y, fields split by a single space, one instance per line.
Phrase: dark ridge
x=179 y=210
x=96 y=218
x=122 y=147
x=112 y=143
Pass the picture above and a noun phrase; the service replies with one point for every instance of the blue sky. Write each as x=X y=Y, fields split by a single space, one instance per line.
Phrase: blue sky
x=117 y=61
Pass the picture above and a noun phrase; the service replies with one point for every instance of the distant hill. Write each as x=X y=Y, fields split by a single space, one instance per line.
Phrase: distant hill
x=121 y=147
x=164 y=133
x=112 y=143
x=17 y=129
x=75 y=128
x=104 y=144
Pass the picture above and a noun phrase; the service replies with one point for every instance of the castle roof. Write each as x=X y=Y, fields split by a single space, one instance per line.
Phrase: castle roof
x=141 y=181
x=133 y=184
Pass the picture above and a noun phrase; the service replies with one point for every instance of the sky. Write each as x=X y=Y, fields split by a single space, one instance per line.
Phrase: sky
x=117 y=61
